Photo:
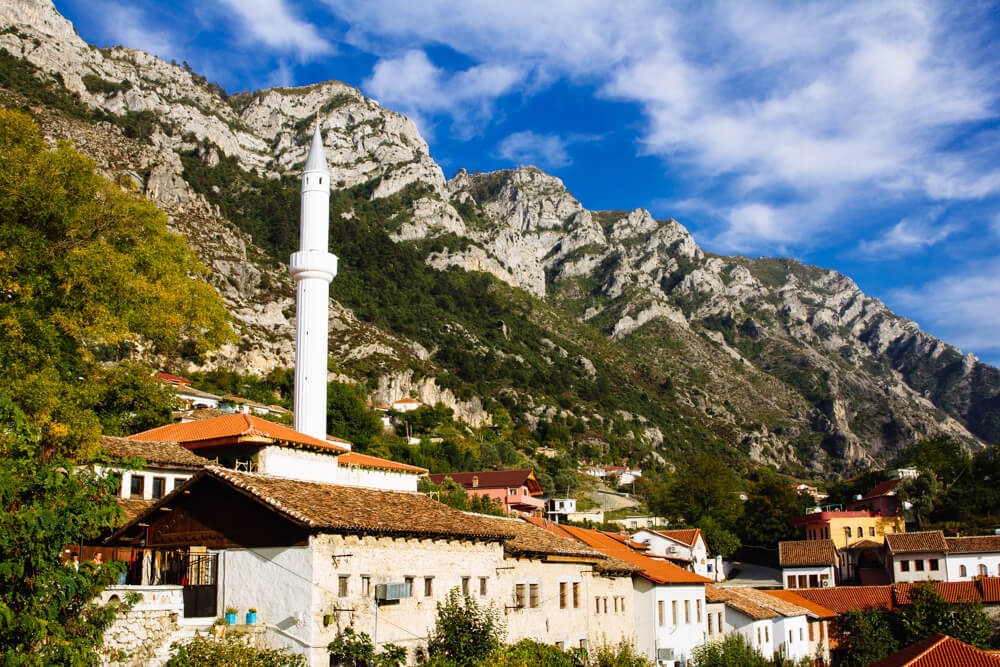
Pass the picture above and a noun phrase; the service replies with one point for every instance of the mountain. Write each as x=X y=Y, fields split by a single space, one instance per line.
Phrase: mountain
x=608 y=329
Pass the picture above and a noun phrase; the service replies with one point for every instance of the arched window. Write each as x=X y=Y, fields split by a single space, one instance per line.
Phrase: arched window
x=861 y=531
x=847 y=530
x=982 y=570
x=962 y=572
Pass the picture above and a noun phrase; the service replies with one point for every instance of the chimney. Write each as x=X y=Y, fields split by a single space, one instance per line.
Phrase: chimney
x=313 y=268
x=475 y=481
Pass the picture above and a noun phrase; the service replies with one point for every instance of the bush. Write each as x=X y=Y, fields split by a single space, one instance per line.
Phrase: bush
x=232 y=649
x=350 y=649
x=465 y=633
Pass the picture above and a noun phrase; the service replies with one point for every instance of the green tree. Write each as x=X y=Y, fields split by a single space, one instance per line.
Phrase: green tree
x=351 y=649
x=47 y=611
x=734 y=650
x=923 y=493
x=205 y=651
x=465 y=633
x=868 y=637
x=929 y=613
x=348 y=417
x=85 y=267
x=771 y=502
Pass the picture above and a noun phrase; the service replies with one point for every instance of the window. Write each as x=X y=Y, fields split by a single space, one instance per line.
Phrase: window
x=767 y=634
x=803 y=581
x=697 y=606
x=428 y=586
x=673 y=611
x=918 y=565
x=904 y=566
x=409 y=586
x=822 y=629
x=563 y=594
x=342 y=586
x=687 y=611
x=519 y=595
x=982 y=570
x=800 y=634
x=659 y=612
x=871 y=531
x=813 y=580
x=366 y=585
x=177 y=482
x=758 y=634
x=791 y=637
x=811 y=631
x=137 y=486
x=482 y=585
x=623 y=604
x=847 y=531
x=576 y=595
x=719 y=625
x=583 y=644
x=861 y=531
x=710 y=627
x=962 y=571
x=615 y=604
x=533 y=596
x=159 y=487
x=605 y=604
x=465 y=585
x=791 y=581
x=597 y=606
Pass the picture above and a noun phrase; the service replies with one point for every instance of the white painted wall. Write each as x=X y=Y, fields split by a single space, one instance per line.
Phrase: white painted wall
x=817 y=570
x=277 y=581
x=791 y=637
x=172 y=477
x=759 y=633
x=683 y=636
x=391 y=480
x=927 y=574
x=298 y=464
x=972 y=563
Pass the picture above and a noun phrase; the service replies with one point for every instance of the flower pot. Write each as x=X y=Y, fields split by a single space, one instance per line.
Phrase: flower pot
x=230 y=619
x=251 y=617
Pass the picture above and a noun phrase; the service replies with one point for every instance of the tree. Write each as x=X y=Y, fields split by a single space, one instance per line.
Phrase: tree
x=734 y=650
x=868 y=637
x=922 y=492
x=771 y=502
x=204 y=651
x=348 y=417
x=85 y=268
x=929 y=613
x=465 y=632
x=351 y=649
x=47 y=611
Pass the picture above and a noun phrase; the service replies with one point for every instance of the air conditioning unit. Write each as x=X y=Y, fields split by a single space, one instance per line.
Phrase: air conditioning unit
x=664 y=654
x=392 y=592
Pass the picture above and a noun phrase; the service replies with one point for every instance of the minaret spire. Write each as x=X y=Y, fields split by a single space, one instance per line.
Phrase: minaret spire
x=313 y=268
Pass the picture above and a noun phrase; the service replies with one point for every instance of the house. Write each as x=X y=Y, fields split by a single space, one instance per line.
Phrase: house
x=818 y=624
x=864 y=563
x=881 y=499
x=193 y=399
x=639 y=521
x=246 y=442
x=316 y=558
x=807 y=563
x=406 y=404
x=770 y=624
x=939 y=649
x=684 y=547
x=515 y=490
x=846 y=528
x=175 y=380
x=167 y=466
x=971 y=557
x=383 y=413
x=247 y=406
x=817 y=495
x=917 y=556
x=668 y=601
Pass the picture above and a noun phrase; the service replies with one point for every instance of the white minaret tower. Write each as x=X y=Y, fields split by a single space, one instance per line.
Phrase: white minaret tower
x=313 y=267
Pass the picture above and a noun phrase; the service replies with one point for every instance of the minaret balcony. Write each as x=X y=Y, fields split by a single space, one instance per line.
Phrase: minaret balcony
x=314 y=264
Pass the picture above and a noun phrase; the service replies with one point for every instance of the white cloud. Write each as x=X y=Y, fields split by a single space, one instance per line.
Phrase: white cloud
x=127 y=26
x=541 y=150
x=963 y=308
x=909 y=235
x=412 y=84
x=995 y=224
x=273 y=24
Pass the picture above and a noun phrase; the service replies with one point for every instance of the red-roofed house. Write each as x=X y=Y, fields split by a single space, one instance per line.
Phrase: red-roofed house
x=245 y=442
x=939 y=651
x=971 y=557
x=685 y=547
x=406 y=404
x=515 y=490
x=669 y=601
x=882 y=499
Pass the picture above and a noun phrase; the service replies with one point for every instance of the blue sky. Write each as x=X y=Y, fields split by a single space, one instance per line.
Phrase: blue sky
x=863 y=137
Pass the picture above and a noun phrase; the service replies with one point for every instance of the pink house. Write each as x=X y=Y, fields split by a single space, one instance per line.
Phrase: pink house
x=515 y=489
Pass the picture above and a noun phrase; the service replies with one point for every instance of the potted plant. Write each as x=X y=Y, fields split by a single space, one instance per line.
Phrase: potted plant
x=251 y=616
x=218 y=628
x=231 y=615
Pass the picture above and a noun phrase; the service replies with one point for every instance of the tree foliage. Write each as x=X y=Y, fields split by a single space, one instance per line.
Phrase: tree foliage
x=453 y=495
x=351 y=649
x=868 y=636
x=85 y=269
x=929 y=613
x=48 y=615
x=771 y=502
x=465 y=632
x=231 y=649
x=347 y=416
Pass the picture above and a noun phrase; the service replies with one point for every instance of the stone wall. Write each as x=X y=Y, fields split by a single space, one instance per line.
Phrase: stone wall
x=135 y=637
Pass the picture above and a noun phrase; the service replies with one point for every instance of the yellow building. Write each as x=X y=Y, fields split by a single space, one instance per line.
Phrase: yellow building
x=847 y=528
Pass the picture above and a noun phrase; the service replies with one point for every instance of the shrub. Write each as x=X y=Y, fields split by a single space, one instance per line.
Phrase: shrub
x=232 y=649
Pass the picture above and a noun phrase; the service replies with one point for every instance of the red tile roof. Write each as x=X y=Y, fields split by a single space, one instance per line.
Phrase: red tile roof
x=172 y=379
x=989 y=588
x=842 y=599
x=365 y=461
x=740 y=603
x=800 y=553
x=883 y=489
x=927 y=540
x=492 y=479
x=970 y=545
x=866 y=544
x=954 y=592
x=686 y=536
x=155 y=453
x=815 y=609
x=657 y=571
x=939 y=651
x=332 y=508
x=407 y=400
x=234 y=429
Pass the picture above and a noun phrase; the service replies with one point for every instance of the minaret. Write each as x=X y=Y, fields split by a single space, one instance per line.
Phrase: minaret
x=313 y=267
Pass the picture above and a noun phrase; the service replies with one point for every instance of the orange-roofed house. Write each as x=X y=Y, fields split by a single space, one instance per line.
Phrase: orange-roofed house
x=668 y=601
x=685 y=547
x=406 y=404
x=771 y=624
x=818 y=623
x=807 y=563
x=248 y=443
x=846 y=528
x=919 y=556
x=939 y=651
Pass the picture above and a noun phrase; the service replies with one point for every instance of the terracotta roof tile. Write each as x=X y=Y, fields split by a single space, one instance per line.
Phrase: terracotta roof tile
x=741 y=603
x=154 y=452
x=350 y=509
x=133 y=507
x=686 y=536
x=658 y=571
x=366 y=461
x=977 y=544
x=236 y=428
x=884 y=489
x=954 y=592
x=815 y=609
x=200 y=413
x=171 y=379
x=939 y=651
x=989 y=588
x=928 y=540
x=492 y=479
x=866 y=544
x=807 y=552
x=842 y=599
x=408 y=401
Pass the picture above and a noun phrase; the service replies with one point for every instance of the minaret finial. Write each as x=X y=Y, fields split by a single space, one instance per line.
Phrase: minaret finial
x=316 y=161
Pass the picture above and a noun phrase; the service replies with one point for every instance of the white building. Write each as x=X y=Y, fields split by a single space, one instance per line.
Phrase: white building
x=770 y=624
x=807 y=563
x=971 y=557
x=685 y=547
x=167 y=465
x=917 y=556
x=406 y=404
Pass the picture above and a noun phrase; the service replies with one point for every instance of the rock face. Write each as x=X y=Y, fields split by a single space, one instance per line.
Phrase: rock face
x=794 y=361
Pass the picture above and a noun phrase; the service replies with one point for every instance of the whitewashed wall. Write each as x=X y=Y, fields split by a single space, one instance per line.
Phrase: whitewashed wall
x=390 y=480
x=791 y=637
x=817 y=570
x=682 y=637
x=298 y=464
